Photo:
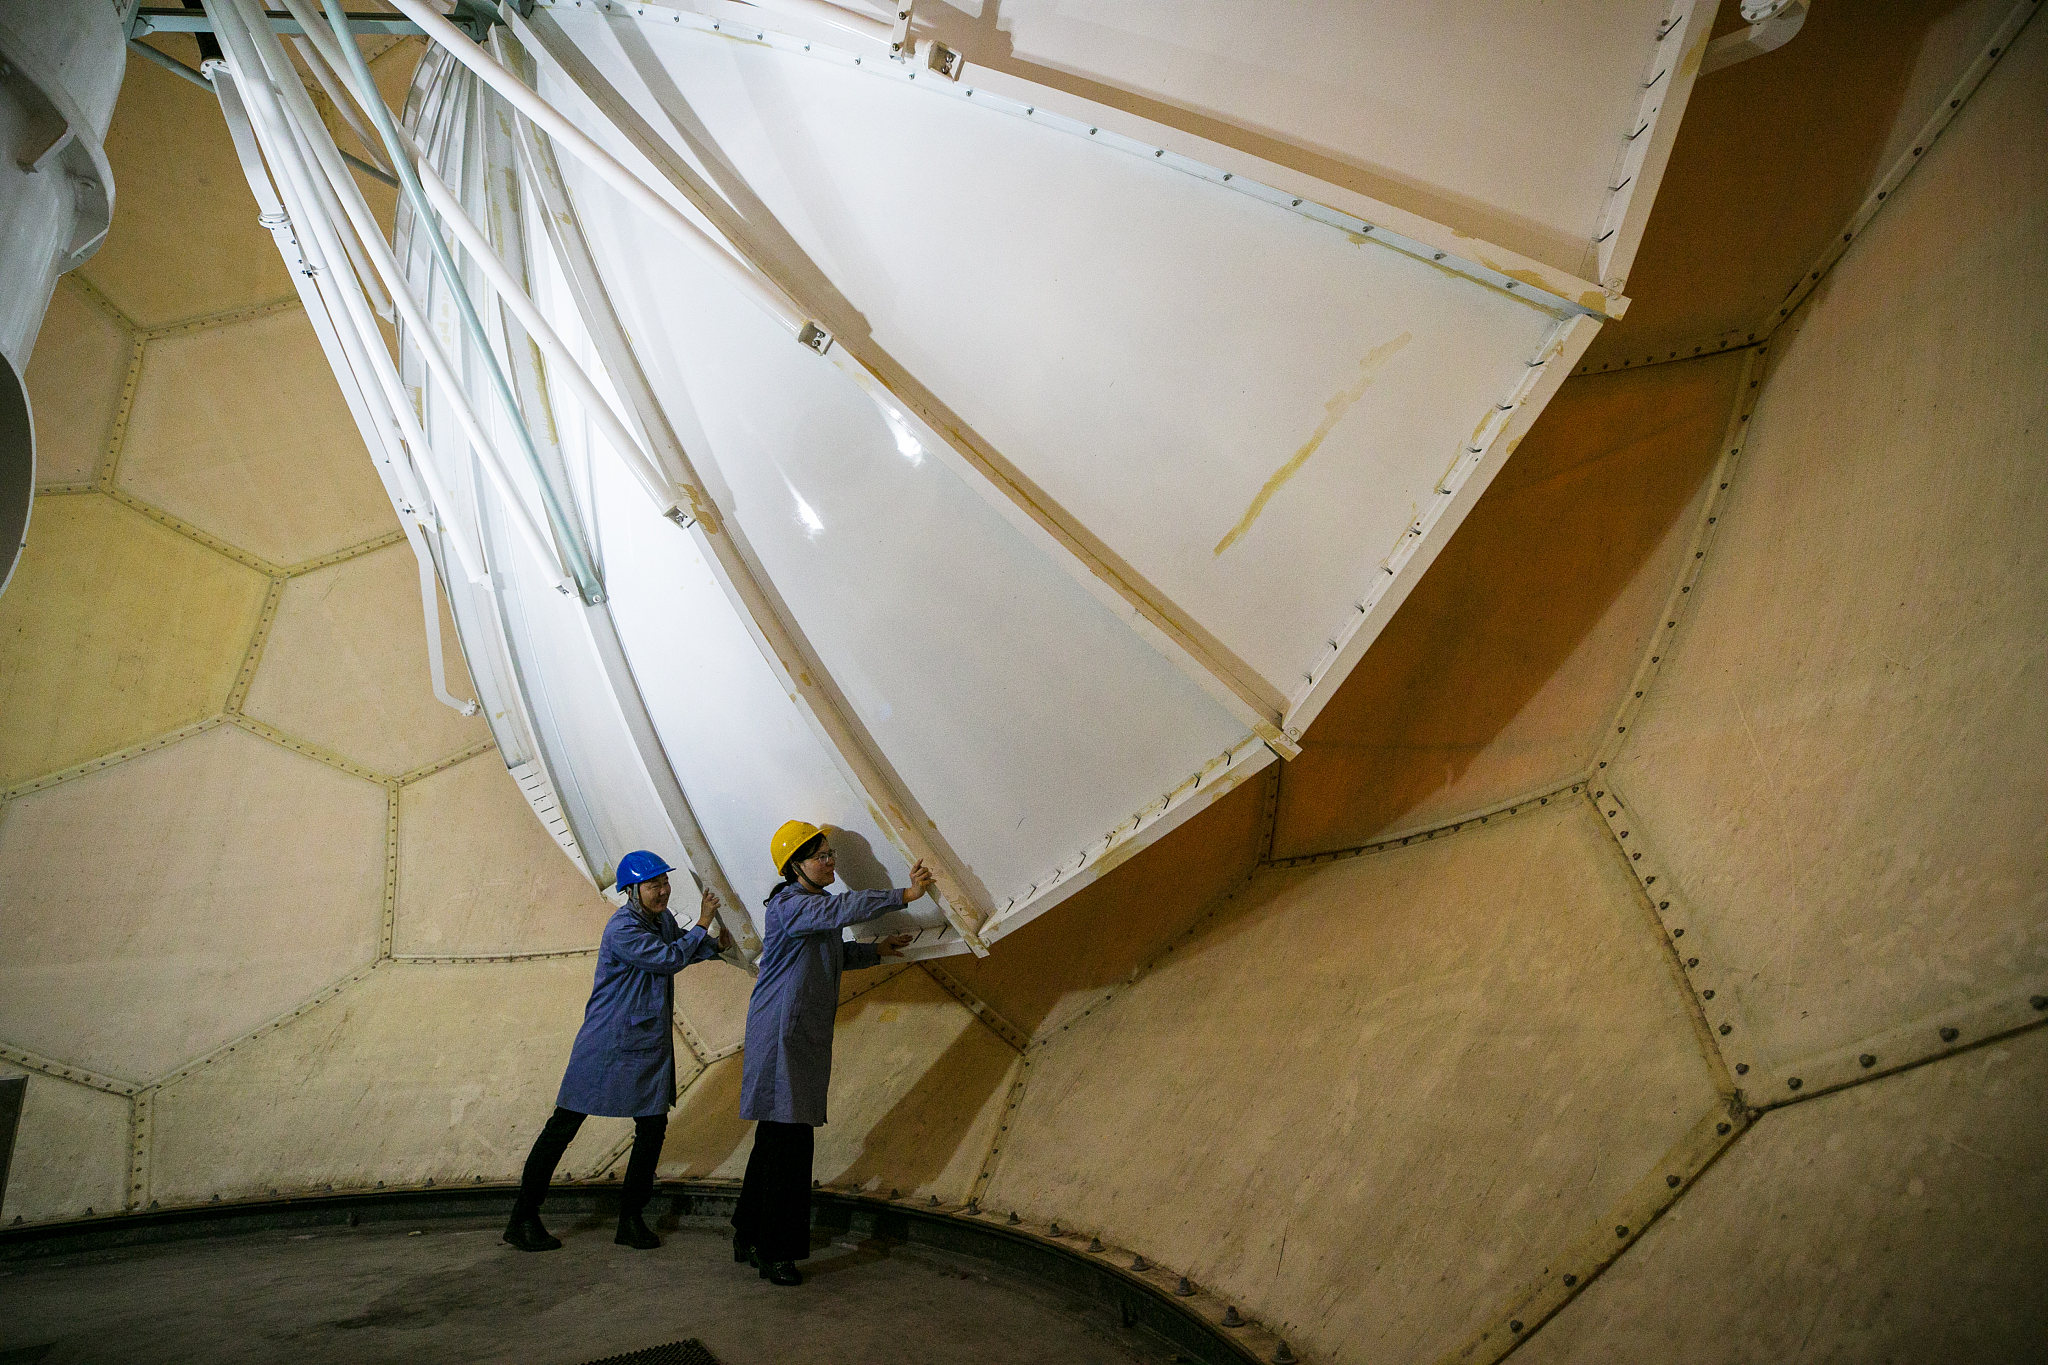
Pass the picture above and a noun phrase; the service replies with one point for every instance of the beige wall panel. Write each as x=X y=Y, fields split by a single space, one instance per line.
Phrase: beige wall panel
x=114 y=630
x=1845 y=761
x=413 y=1073
x=70 y=1153
x=917 y=1082
x=918 y=1086
x=185 y=242
x=707 y=1138
x=478 y=875
x=161 y=907
x=1377 y=1095
x=74 y=385
x=1896 y=1221
x=241 y=431
x=1501 y=671
x=345 y=665
x=712 y=998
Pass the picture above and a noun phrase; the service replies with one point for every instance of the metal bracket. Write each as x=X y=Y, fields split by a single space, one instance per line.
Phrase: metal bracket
x=901 y=45
x=815 y=337
x=944 y=60
x=1773 y=23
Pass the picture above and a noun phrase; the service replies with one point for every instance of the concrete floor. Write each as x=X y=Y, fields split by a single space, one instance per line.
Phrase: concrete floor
x=449 y=1291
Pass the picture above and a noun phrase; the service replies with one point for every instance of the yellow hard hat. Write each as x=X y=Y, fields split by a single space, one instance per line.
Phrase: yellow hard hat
x=793 y=835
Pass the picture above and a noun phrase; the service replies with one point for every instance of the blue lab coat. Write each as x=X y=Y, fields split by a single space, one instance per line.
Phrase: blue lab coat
x=788 y=1060
x=623 y=1064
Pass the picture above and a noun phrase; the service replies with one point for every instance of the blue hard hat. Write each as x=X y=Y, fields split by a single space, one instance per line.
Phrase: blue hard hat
x=640 y=866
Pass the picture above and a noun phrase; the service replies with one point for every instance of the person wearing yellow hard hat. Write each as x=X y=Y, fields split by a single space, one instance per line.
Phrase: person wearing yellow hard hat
x=787 y=1063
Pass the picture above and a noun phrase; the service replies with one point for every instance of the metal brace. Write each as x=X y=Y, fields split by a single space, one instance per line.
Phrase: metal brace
x=901 y=45
x=815 y=337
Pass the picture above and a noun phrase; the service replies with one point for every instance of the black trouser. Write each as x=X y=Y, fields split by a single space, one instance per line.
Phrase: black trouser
x=774 y=1212
x=554 y=1139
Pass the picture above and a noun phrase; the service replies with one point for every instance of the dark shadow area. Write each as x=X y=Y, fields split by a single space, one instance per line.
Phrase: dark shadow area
x=859 y=868
x=1571 y=521
x=912 y=1144
x=1092 y=940
x=1773 y=157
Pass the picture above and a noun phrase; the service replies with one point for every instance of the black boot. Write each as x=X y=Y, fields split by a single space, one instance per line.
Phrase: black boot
x=526 y=1232
x=781 y=1272
x=634 y=1232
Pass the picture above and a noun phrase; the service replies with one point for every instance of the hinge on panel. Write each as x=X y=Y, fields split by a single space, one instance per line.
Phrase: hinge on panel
x=944 y=60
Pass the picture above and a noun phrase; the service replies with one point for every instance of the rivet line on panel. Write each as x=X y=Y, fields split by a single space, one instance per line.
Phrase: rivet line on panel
x=102 y=761
x=979 y=1008
x=320 y=997
x=987 y=1170
x=462 y=755
x=124 y=408
x=1541 y=797
x=879 y=979
x=1579 y=1262
x=253 y=655
x=470 y=959
x=1711 y=1022
x=61 y=1071
x=1693 y=566
x=311 y=750
x=1914 y=1043
x=91 y=293
x=1351 y=225
x=205 y=321
x=193 y=533
x=344 y=554
x=141 y=1113
x=387 y=921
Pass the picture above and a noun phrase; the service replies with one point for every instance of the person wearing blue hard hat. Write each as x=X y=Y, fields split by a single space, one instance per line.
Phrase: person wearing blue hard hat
x=623 y=1063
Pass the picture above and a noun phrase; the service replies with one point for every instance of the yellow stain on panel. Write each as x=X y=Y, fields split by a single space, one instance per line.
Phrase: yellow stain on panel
x=1333 y=412
x=115 y=629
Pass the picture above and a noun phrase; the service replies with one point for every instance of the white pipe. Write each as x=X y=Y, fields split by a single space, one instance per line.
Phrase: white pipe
x=438 y=362
x=636 y=191
x=375 y=414
x=272 y=214
x=369 y=354
x=430 y=607
x=344 y=105
x=558 y=354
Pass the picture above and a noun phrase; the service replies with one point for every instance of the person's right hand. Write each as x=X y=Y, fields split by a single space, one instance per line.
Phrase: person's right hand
x=921 y=882
x=893 y=945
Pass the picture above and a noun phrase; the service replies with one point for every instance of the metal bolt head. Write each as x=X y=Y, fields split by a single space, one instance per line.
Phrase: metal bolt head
x=1948 y=1035
x=1794 y=1083
x=973 y=1207
x=1570 y=1280
x=1140 y=1263
x=1014 y=1219
x=1866 y=1061
x=1095 y=1245
x=932 y=1202
x=1722 y=1128
x=1621 y=1230
x=1056 y=1230
x=1742 y=1068
x=895 y=1193
x=1182 y=1288
x=1230 y=1317
x=1283 y=1356
x=1672 y=1181
x=2039 y=1002
x=1515 y=1326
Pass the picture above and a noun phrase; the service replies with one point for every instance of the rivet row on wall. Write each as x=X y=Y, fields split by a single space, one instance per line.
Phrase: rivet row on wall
x=103 y=761
x=63 y=1071
x=979 y=1008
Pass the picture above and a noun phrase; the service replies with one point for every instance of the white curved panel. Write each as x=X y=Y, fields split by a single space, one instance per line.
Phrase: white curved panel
x=1249 y=406
x=1026 y=716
